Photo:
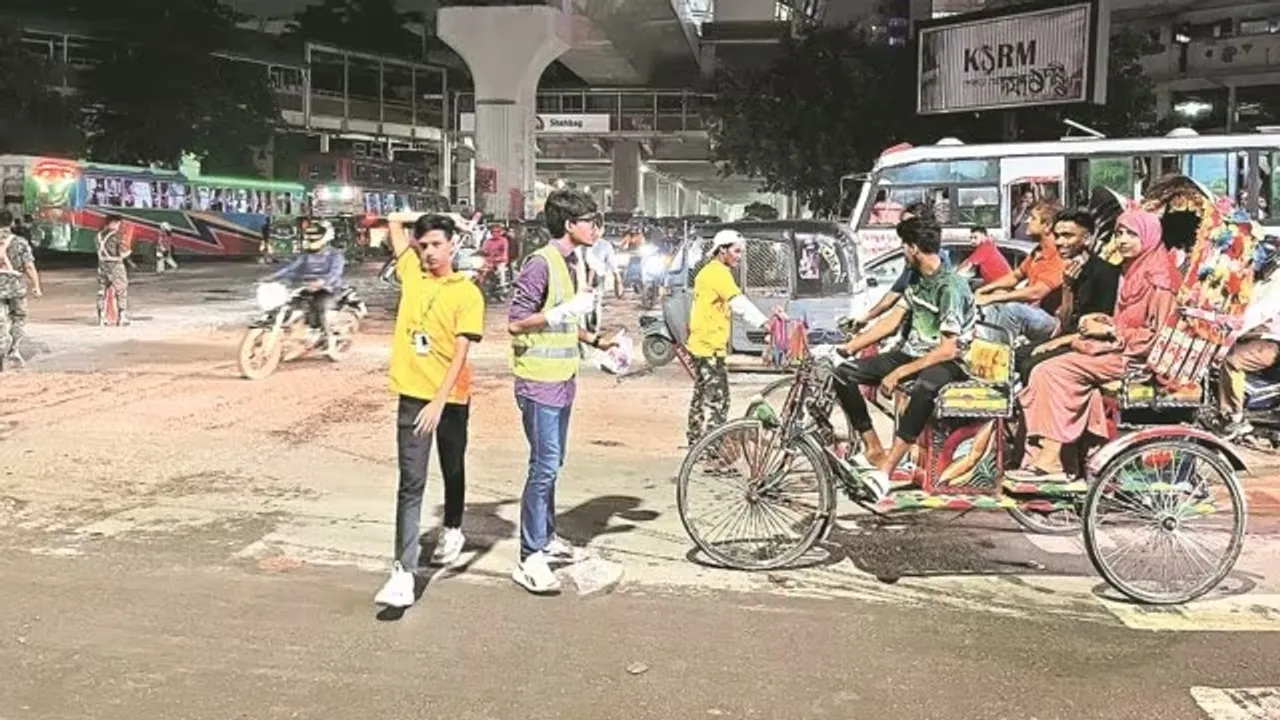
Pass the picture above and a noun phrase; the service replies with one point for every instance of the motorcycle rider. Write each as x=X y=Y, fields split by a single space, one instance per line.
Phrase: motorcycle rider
x=1258 y=347
x=321 y=267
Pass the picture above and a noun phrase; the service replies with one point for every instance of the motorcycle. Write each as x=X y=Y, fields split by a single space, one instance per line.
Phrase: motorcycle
x=658 y=345
x=283 y=334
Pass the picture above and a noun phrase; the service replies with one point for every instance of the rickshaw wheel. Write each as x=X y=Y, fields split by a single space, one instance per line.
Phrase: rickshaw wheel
x=1064 y=522
x=749 y=504
x=1171 y=491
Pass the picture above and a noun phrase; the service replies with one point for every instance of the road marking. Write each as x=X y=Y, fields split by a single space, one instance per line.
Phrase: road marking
x=1260 y=703
x=1254 y=612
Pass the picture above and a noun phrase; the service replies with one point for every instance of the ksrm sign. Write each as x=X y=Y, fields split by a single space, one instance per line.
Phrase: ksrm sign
x=1010 y=59
x=571 y=123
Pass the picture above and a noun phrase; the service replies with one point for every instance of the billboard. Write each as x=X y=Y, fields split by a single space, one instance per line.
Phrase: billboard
x=1014 y=58
x=546 y=123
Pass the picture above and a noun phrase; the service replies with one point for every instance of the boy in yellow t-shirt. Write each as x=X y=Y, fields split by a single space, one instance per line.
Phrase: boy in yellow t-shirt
x=716 y=297
x=441 y=314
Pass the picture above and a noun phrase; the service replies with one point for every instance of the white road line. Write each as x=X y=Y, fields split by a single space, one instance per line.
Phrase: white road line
x=1252 y=612
x=1261 y=703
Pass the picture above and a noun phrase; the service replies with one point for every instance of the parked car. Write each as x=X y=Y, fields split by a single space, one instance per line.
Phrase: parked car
x=881 y=272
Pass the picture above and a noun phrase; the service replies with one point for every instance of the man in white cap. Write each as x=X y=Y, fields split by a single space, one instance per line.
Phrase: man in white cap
x=716 y=298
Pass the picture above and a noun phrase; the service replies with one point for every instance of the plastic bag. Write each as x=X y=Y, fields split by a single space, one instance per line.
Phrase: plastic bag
x=617 y=360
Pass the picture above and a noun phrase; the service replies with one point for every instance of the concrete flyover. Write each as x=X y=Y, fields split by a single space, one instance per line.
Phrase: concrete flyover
x=583 y=137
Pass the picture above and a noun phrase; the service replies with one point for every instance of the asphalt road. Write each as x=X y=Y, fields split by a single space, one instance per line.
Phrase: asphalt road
x=176 y=542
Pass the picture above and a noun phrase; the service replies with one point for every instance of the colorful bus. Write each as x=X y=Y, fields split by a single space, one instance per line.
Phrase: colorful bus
x=994 y=185
x=68 y=201
x=366 y=186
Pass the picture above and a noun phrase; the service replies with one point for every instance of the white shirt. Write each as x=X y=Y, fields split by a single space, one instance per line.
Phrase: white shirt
x=1262 y=317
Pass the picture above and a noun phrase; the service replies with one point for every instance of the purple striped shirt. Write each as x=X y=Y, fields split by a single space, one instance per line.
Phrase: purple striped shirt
x=530 y=292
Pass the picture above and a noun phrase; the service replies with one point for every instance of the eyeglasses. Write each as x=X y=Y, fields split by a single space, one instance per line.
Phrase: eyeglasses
x=593 y=218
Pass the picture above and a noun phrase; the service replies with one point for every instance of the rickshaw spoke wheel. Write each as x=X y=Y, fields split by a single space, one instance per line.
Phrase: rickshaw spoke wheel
x=775 y=394
x=1164 y=522
x=749 y=502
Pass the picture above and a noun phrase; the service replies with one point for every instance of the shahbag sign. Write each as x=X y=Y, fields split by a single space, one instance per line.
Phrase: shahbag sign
x=987 y=61
x=569 y=123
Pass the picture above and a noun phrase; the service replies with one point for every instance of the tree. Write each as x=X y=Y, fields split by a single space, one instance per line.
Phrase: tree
x=34 y=117
x=760 y=211
x=825 y=107
x=373 y=26
x=165 y=92
x=835 y=98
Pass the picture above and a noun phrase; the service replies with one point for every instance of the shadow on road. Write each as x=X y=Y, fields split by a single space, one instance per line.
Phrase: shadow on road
x=590 y=520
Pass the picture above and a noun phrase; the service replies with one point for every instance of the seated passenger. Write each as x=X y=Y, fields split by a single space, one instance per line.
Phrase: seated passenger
x=1027 y=311
x=986 y=257
x=1063 y=398
x=941 y=309
x=1257 y=349
x=1089 y=286
x=890 y=299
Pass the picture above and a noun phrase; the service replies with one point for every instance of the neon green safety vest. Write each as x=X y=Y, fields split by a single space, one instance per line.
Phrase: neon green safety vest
x=550 y=355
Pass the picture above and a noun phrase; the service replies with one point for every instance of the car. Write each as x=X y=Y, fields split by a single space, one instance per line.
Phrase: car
x=881 y=272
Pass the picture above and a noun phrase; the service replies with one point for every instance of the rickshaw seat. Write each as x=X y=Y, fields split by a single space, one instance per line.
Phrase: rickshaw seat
x=1141 y=390
x=987 y=392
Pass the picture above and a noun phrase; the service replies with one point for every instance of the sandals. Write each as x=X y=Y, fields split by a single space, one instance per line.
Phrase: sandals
x=1034 y=474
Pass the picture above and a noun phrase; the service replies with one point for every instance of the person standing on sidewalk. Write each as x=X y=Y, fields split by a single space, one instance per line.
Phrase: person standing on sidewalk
x=441 y=314
x=550 y=303
x=112 y=253
x=716 y=298
x=16 y=262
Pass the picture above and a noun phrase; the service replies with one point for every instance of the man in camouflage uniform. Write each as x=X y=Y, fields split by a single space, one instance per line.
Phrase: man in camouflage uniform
x=17 y=271
x=716 y=298
x=112 y=253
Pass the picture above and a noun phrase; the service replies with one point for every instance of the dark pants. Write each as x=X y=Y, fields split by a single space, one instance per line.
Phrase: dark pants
x=870 y=371
x=320 y=302
x=414 y=452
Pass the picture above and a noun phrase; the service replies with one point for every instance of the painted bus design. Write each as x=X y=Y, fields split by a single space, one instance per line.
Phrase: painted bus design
x=994 y=185
x=67 y=202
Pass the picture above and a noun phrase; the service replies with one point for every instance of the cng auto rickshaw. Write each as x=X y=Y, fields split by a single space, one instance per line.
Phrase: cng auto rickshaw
x=809 y=268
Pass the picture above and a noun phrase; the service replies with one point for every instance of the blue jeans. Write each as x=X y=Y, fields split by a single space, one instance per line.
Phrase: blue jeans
x=1021 y=320
x=547 y=429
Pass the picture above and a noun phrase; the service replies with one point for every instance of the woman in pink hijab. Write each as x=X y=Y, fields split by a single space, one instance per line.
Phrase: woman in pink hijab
x=1063 y=398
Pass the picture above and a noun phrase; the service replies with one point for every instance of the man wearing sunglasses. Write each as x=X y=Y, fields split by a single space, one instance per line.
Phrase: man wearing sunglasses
x=548 y=310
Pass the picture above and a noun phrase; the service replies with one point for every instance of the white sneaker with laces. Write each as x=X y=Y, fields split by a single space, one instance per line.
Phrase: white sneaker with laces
x=560 y=551
x=874 y=479
x=398 y=590
x=534 y=575
x=449 y=549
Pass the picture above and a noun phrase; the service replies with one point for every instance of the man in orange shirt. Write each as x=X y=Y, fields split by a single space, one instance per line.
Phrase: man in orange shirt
x=1027 y=309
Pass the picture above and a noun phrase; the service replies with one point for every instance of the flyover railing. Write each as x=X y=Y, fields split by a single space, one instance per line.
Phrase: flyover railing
x=627 y=110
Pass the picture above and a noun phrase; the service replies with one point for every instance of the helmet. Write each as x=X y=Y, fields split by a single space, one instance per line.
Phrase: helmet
x=315 y=238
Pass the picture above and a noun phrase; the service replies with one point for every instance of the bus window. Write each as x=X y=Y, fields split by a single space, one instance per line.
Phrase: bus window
x=1270 y=186
x=1212 y=170
x=944 y=172
x=978 y=206
x=1113 y=173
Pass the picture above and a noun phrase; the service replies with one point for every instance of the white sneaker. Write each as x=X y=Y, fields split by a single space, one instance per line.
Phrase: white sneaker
x=398 y=590
x=873 y=479
x=534 y=574
x=560 y=551
x=449 y=549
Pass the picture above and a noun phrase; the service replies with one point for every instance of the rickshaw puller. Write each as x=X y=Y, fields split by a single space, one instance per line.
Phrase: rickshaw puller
x=942 y=311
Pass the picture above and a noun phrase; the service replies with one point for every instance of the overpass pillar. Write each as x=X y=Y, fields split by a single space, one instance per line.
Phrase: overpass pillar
x=689 y=202
x=649 y=196
x=506 y=49
x=628 y=180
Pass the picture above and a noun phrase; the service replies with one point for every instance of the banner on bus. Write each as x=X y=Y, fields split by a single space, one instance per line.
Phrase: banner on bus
x=1014 y=58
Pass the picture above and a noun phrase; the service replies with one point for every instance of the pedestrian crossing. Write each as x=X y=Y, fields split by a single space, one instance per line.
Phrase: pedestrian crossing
x=1258 y=703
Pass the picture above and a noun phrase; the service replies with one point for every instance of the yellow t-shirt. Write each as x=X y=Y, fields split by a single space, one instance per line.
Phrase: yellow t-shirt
x=433 y=313
x=713 y=288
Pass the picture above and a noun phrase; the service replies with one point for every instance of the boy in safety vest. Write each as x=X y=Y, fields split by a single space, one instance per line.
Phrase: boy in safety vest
x=548 y=308
x=716 y=298
x=441 y=315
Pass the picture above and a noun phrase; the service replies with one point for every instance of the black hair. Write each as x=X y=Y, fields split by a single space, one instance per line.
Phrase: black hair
x=1080 y=217
x=6 y=218
x=110 y=218
x=921 y=233
x=426 y=223
x=978 y=229
x=565 y=206
x=919 y=209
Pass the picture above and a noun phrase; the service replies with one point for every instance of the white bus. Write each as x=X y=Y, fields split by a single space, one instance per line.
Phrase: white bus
x=992 y=185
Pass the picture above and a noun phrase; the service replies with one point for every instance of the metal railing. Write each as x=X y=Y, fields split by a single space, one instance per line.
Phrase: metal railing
x=629 y=110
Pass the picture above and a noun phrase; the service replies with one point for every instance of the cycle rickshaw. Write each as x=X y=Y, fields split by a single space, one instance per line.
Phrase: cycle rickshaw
x=1159 y=504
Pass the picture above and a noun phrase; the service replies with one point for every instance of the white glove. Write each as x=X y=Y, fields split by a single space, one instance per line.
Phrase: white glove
x=824 y=352
x=750 y=314
x=581 y=304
